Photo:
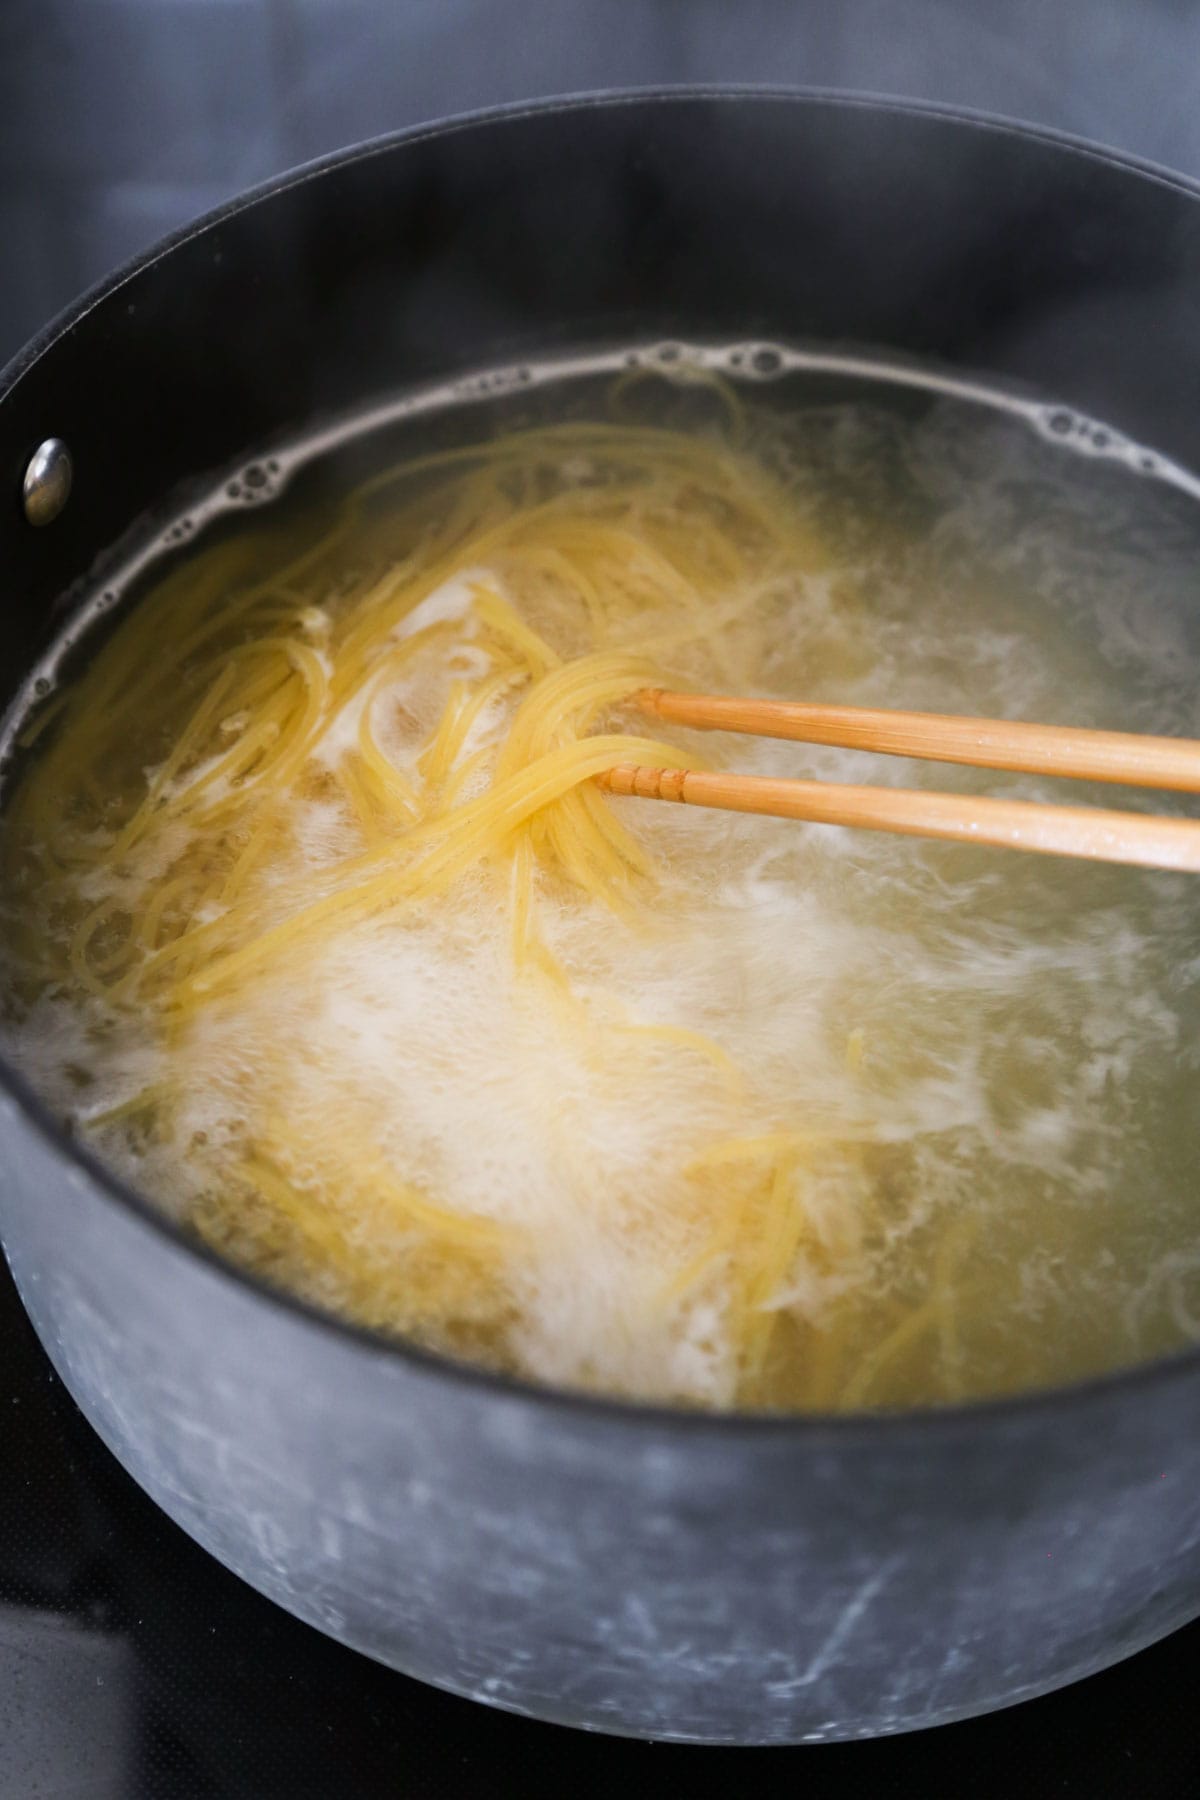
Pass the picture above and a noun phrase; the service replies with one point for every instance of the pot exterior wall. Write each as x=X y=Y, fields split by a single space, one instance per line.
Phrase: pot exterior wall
x=672 y=1577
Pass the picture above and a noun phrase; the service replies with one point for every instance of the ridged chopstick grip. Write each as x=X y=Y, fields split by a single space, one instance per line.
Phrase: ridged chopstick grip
x=1082 y=831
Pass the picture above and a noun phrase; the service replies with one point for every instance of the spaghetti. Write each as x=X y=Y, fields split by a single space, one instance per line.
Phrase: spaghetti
x=364 y=973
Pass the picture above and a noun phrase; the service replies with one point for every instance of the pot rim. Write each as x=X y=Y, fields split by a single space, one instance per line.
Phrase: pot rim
x=839 y=1428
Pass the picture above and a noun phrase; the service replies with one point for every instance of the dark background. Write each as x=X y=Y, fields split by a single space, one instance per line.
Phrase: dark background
x=119 y=119
x=131 y=1665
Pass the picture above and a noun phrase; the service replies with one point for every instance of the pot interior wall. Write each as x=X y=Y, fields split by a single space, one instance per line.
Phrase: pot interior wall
x=702 y=216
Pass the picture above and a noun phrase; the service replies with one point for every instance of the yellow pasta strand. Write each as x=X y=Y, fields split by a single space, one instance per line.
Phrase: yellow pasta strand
x=430 y=685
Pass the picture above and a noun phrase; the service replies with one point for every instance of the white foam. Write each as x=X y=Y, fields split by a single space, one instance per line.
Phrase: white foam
x=445 y=605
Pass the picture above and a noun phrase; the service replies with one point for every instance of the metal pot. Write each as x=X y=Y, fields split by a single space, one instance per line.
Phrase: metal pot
x=615 y=1566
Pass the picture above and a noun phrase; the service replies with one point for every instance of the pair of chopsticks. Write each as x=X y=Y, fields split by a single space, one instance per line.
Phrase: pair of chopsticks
x=1085 y=831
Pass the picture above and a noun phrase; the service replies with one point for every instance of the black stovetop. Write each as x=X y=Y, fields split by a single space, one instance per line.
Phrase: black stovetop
x=134 y=1667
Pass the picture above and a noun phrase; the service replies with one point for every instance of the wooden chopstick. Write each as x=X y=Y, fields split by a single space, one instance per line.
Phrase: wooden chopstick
x=1118 y=756
x=1084 y=831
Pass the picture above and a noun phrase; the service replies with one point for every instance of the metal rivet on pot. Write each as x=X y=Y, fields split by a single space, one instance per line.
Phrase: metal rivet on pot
x=47 y=485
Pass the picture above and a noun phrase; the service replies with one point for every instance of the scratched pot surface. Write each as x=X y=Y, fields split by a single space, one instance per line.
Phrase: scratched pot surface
x=133 y=1667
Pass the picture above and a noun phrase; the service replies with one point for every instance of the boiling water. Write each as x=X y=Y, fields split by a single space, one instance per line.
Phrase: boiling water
x=820 y=1118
